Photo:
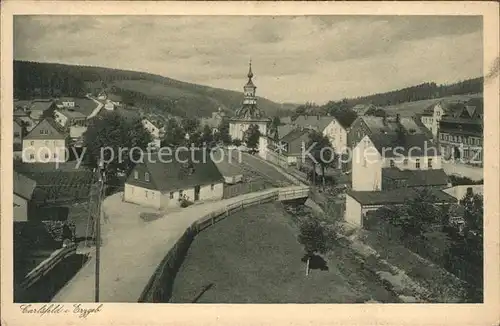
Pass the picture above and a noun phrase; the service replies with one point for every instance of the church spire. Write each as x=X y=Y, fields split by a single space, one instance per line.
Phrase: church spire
x=250 y=73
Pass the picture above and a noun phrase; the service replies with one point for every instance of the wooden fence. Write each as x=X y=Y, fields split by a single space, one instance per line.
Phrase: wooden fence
x=160 y=285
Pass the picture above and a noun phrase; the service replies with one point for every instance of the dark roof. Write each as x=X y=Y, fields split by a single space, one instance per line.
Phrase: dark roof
x=407 y=133
x=54 y=130
x=295 y=139
x=41 y=105
x=396 y=196
x=345 y=120
x=313 y=122
x=417 y=178
x=23 y=186
x=284 y=130
x=18 y=112
x=172 y=174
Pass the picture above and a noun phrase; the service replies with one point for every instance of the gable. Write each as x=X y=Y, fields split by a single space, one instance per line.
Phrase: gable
x=45 y=129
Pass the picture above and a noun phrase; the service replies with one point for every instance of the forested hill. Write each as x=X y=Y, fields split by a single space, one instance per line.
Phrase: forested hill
x=33 y=79
x=423 y=91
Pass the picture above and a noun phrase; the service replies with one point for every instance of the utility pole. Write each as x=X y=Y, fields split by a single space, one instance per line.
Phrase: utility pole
x=102 y=176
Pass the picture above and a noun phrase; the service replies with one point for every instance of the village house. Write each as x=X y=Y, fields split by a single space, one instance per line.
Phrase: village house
x=289 y=150
x=335 y=128
x=394 y=178
x=39 y=107
x=46 y=142
x=24 y=189
x=155 y=128
x=359 y=203
x=368 y=125
x=74 y=114
x=166 y=181
x=17 y=139
x=214 y=121
x=390 y=147
x=459 y=191
x=461 y=132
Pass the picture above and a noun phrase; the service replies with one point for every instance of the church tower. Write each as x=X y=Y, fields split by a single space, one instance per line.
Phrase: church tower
x=249 y=89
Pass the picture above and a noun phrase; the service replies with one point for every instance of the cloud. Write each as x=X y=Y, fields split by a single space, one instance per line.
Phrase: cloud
x=296 y=59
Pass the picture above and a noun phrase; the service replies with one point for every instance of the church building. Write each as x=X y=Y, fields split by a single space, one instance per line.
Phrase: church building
x=249 y=114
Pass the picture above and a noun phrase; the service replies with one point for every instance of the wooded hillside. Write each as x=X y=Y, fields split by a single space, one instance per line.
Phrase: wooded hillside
x=33 y=79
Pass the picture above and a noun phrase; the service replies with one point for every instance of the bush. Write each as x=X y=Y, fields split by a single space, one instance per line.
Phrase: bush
x=148 y=217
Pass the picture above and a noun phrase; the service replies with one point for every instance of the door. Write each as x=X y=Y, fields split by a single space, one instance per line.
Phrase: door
x=196 y=193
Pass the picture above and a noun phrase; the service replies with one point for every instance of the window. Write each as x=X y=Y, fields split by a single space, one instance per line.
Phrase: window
x=171 y=195
x=392 y=163
x=417 y=163
x=136 y=175
x=146 y=176
x=212 y=187
x=32 y=143
x=405 y=161
x=180 y=193
x=55 y=155
x=429 y=163
x=46 y=155
x=32 y=156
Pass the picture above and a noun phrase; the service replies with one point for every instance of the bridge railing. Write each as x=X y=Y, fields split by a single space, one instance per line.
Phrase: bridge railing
x=47 y=265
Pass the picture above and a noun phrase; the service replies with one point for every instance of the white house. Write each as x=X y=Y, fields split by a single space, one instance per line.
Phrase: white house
x=164 y=181
x=460 y=191
x=24 y=188
x=334 y=128
x=65 y=102
x=45 y=143
x=155 y=129
x=378 y=151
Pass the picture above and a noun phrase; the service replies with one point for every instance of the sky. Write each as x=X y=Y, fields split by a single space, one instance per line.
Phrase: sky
x=295 y=59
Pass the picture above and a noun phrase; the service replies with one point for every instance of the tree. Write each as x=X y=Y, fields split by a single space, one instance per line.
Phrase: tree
x=418 y=214
x=473 y=216
x=111 y=134
x=190 y=125
x=174 y=134
x=223 y=133
x=207 y=136
x=376 y=112
x=314 y=239
x=274 y=126
x=251 y=136
x=321 y=151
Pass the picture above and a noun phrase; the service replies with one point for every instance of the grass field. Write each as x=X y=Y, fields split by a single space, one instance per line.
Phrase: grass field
x=254 y=257
x=409 y=109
